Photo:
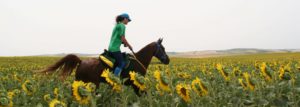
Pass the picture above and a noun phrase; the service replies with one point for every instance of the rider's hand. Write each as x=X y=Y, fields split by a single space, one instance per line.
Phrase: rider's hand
x=129 y=46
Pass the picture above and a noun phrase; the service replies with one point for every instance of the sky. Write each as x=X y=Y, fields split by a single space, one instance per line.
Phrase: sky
x=33 y=27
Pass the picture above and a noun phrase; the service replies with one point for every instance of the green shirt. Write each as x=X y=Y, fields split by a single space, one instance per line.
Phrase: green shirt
x=115 y=41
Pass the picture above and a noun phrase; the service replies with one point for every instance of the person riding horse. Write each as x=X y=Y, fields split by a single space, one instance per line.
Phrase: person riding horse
x=118 y=38
x=90 y=69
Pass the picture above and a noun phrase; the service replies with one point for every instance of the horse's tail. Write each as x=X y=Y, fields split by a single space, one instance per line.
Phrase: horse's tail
x=67 y=64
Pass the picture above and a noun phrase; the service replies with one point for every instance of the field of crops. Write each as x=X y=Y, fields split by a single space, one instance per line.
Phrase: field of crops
x=249 y=80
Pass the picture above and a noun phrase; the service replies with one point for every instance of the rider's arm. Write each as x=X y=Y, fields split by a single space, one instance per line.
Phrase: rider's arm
x=126 y=42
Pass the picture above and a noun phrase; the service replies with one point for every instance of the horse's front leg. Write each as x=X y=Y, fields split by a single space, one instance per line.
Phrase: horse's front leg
x=136 y=89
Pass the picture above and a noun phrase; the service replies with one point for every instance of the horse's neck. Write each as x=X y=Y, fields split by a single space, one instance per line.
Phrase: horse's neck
x=145 y=55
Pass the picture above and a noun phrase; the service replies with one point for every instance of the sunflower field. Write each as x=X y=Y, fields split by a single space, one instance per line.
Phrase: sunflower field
x=245 y=80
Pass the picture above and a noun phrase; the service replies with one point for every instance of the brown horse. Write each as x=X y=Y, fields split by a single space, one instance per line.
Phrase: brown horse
x=89 y=70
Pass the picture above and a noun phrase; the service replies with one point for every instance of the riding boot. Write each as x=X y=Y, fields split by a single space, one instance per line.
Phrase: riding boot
x=118 y=71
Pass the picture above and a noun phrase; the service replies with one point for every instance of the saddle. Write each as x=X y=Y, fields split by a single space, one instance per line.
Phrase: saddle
x=109 y=60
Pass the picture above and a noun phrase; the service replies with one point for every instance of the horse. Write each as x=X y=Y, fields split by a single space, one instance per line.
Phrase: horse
x=89 y=70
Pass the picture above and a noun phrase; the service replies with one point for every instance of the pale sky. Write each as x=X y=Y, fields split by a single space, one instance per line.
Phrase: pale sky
x=33 y=27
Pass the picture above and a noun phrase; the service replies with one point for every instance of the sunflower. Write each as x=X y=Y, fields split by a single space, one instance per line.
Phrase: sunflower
x=284 y=73
x=203 y=69
x=47 y=97
x=159 y=90
x=11 y=94
x=223 y=73
x=27 y=86
x=242 y=83
x=184 y=92
x=111 y=80
x=168 y=72
x=16 y=77
x=265 y=73
x=5 y=102
x=15 y=92
x=162 y=82
x=184 y=75
x=91 y=87
x=81 y=94
x=56 y=103
x=250 y=84
x=236 y=71
x=199 y=87
x=137 y=80
x=288 y=68
x=281 y=73
x=6 y=98
x=55 y=92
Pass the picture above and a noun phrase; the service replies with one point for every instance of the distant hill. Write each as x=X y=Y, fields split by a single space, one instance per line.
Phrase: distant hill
x=229 y=52
x=206 y=53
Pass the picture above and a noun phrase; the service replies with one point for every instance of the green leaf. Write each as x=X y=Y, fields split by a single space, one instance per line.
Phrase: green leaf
x=248 y=102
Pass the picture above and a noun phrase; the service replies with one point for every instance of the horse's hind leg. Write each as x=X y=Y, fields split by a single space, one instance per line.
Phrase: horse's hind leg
x=137 y=91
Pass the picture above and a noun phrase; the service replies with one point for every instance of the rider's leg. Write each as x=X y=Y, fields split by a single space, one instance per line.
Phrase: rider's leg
x=119 y=61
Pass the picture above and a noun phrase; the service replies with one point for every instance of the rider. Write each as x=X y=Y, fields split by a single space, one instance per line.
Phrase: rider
x=118 y=38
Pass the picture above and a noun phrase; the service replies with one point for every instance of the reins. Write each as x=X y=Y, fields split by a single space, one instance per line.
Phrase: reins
x=138 y=60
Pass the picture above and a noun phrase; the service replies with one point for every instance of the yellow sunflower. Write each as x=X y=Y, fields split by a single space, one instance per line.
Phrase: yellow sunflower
x=10 y=94
x=6 y=99
x=223 y=73
x=111 y=80
x=265 y=73
x=27 y=86
x=5 y=102
x=250 y=84
x=184 y=92
x=168 y=72
x=236 y=71
x=16 y=77
x=242 y=83
x=91 y=87
x=81 y=94
x=55 y=92
x=288 y=68
x=159 y=90
x=199 y=87
x=137 y=80
x=203 y=69
x=281 y=73
x=162 y=82
x=47 y=97
x=56 y=103
x=184 y=75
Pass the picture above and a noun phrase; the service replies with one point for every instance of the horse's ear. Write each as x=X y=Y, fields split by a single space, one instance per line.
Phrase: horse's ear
x=159 y=40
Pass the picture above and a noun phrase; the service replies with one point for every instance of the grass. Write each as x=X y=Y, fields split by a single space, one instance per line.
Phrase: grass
x=283 y=89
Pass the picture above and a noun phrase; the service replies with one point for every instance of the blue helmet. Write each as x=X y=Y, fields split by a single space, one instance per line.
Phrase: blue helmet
x=125 y=15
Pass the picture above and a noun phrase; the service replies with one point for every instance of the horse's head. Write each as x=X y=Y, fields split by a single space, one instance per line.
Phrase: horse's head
x=160 y=52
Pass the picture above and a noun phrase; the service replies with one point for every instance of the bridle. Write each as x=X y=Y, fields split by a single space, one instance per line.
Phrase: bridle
x=158 y=46
x=162 y=57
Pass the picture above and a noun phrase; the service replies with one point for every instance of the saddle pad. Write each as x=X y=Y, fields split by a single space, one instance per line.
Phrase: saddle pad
x=107 y=61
